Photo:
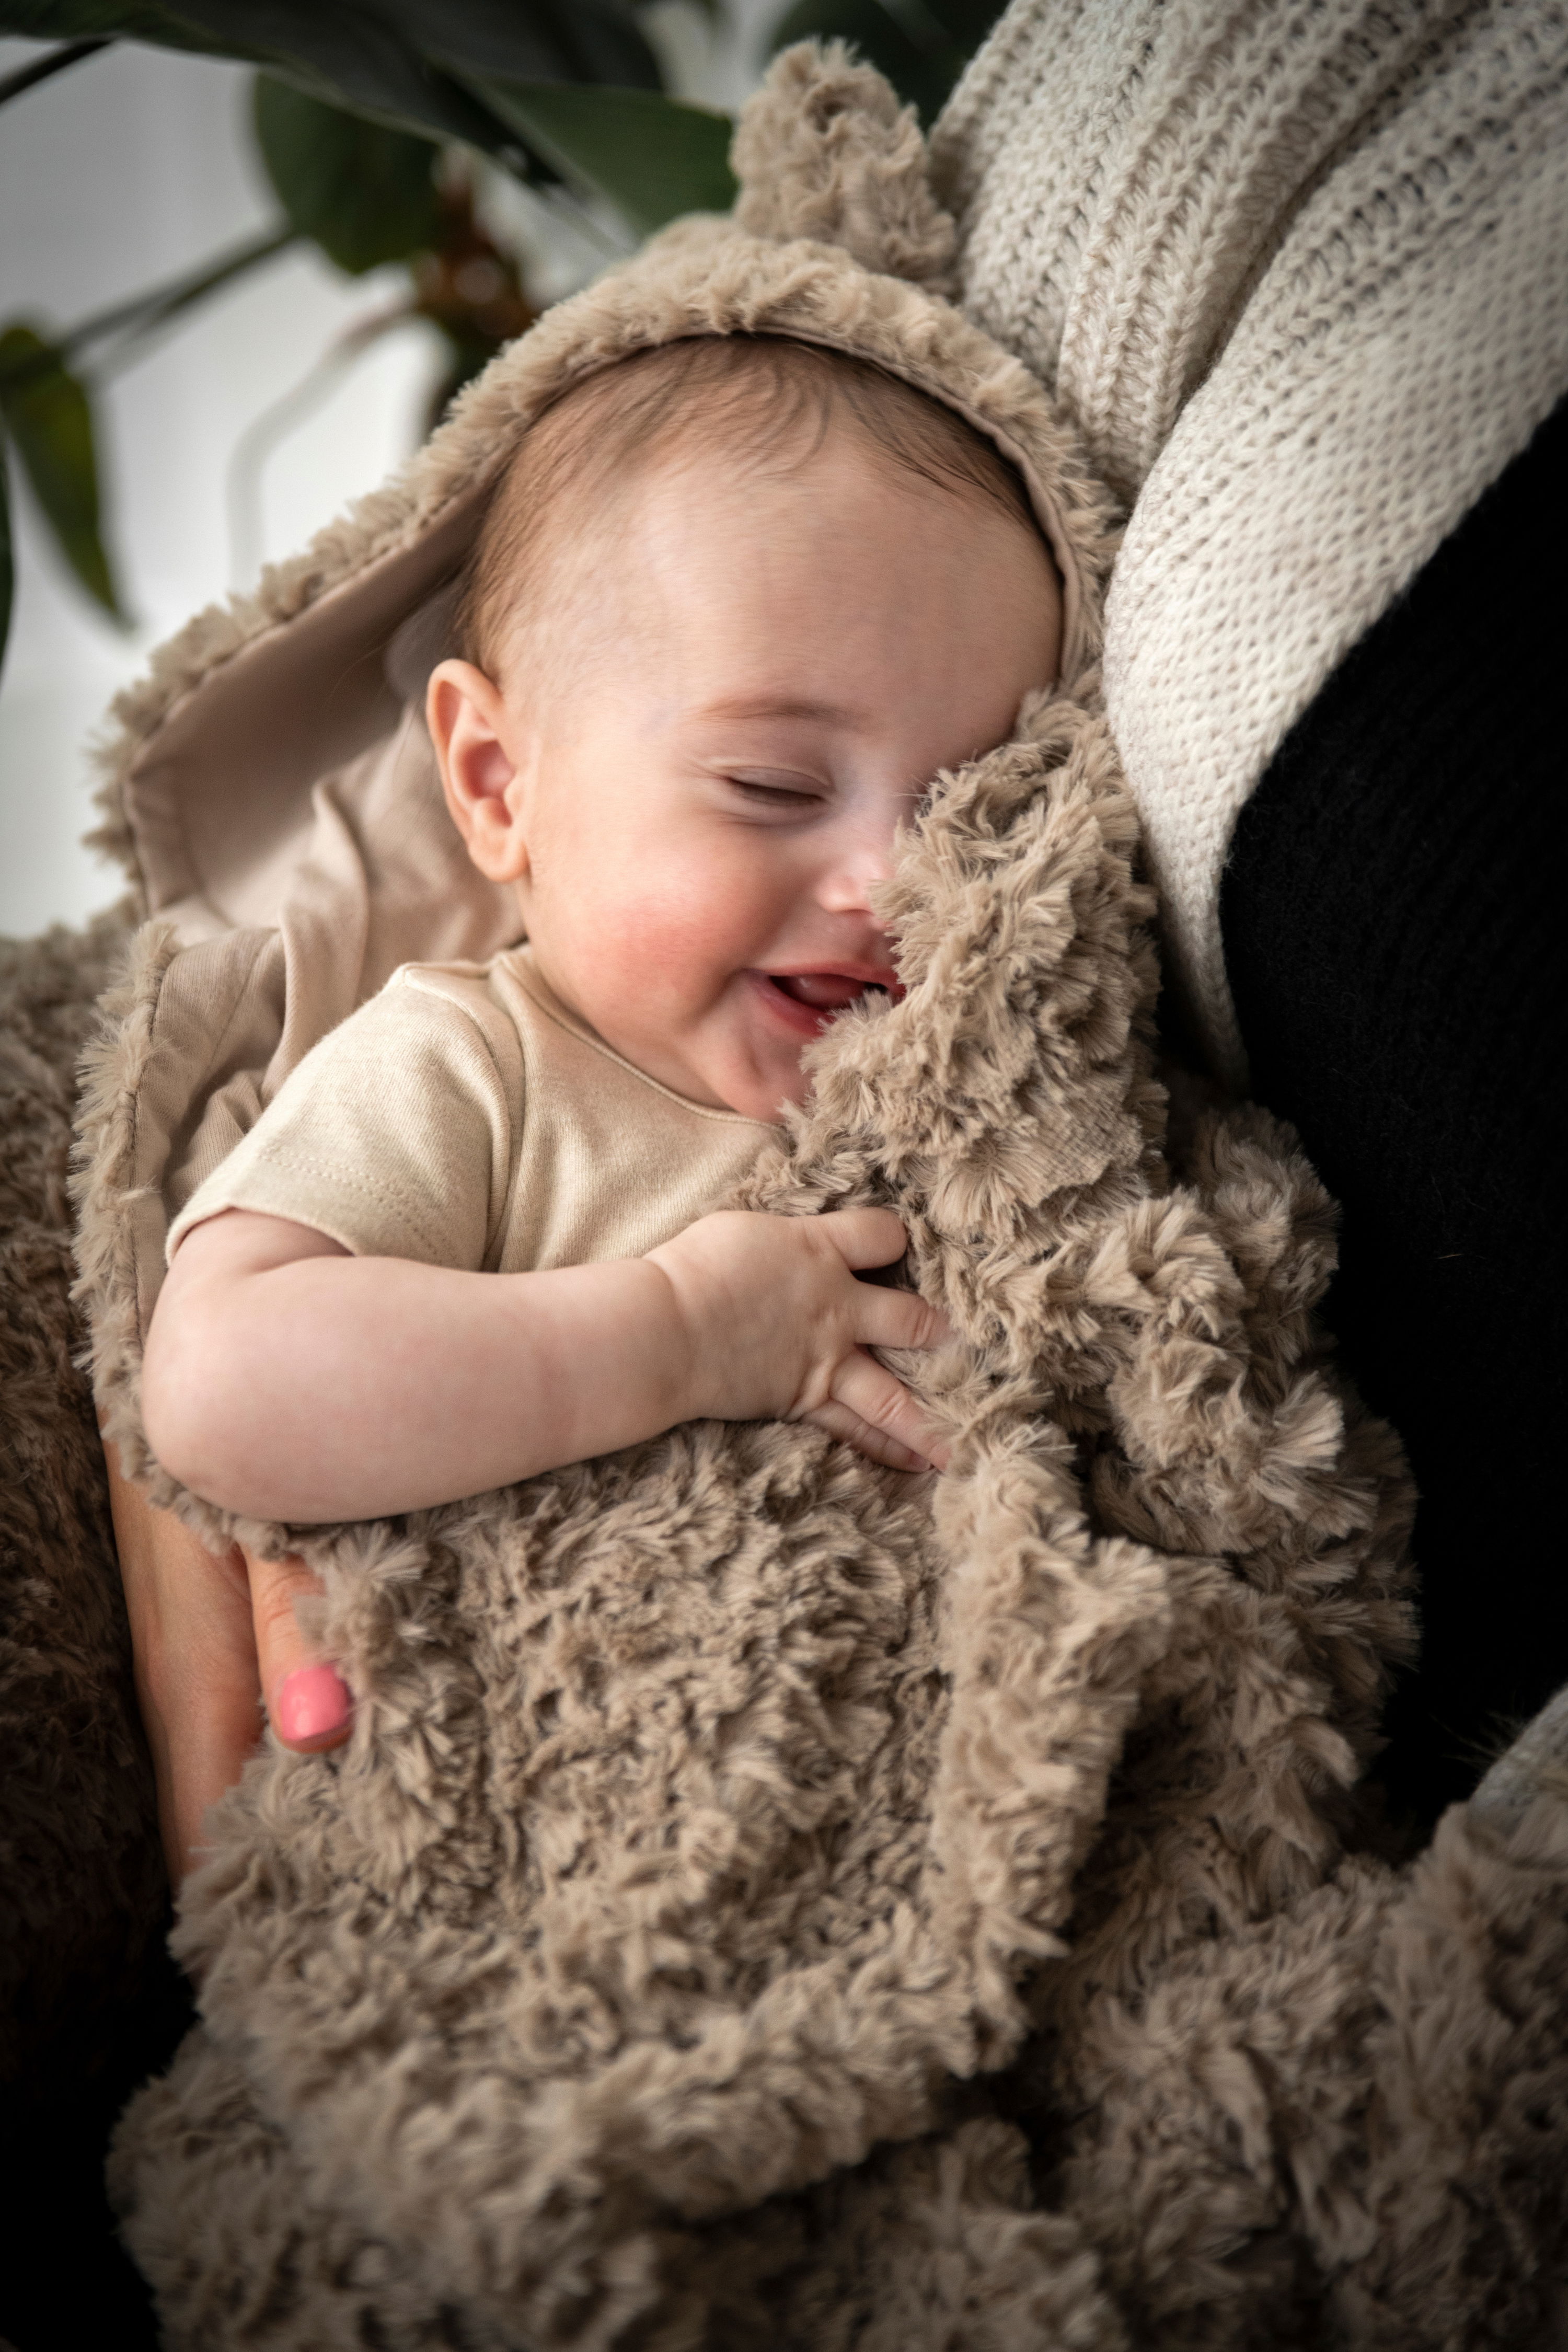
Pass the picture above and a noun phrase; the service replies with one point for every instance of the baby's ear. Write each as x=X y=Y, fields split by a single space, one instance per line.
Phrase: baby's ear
x=483 y=767
x=825 y=151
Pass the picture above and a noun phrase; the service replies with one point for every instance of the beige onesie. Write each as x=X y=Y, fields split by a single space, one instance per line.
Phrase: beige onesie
x=464 y=1117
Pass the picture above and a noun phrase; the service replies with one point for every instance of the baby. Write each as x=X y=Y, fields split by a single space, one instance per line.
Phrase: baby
x=733 y=604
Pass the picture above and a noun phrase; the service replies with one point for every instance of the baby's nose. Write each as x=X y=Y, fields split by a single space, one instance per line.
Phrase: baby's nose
x=850 y=877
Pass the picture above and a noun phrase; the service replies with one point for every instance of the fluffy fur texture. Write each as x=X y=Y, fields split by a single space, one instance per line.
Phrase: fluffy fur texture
x=764 y=1900
x=830 y=154
x=718 y=1810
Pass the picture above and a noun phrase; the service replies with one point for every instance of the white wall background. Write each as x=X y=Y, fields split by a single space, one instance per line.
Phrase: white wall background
x=120 y=172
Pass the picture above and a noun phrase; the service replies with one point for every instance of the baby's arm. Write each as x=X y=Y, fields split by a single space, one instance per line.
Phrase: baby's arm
x=285 y=1379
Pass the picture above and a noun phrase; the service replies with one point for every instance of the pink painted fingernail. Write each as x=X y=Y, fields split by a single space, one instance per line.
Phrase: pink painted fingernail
x=311 y=1701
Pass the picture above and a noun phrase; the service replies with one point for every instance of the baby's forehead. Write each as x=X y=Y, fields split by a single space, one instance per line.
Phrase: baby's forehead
x=713 y=407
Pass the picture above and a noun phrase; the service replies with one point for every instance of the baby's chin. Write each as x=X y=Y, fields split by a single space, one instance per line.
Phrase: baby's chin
x=770 y=1026
x=762 y=1088
x=756 y=1078
x=741 y=1054
x=765 y=1085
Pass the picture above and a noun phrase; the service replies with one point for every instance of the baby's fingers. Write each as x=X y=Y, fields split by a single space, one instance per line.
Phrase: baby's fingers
x=875 y=1443
x=864 y=1237
x=872 y=1410
x=898 y=1318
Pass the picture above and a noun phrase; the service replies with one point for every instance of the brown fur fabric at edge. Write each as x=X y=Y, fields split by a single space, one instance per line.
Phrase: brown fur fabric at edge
x=89 y=2001
x=82 y=1878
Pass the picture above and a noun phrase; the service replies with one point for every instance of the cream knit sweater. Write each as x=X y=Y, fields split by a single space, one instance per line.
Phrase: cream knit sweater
x=1299 y=272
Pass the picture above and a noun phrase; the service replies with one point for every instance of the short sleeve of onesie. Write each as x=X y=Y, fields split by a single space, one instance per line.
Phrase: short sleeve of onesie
x=396 y=1135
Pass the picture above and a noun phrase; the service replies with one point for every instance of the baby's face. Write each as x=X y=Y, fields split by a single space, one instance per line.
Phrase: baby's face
x=757 y=679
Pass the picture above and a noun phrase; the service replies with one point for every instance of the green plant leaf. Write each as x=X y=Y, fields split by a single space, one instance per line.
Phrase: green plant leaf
x=653 y=157
x=922 y=45
x=533 y=40
x=80 y=20
x=407 y=63
x=49 y=419
x=331 y=51
x=7 y=569
x=363 y=192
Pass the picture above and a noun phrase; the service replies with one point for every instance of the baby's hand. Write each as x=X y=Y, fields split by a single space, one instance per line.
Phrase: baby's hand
x=777 y=1328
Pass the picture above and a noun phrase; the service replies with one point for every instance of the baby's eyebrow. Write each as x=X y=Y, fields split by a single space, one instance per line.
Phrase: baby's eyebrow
x=781 y=706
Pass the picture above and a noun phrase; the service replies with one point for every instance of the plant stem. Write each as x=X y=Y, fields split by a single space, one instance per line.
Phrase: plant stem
x=146 y=312
x=70 y=53
x=262 y=434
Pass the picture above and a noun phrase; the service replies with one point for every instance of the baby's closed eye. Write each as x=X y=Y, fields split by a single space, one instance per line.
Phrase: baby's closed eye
x=784 y=793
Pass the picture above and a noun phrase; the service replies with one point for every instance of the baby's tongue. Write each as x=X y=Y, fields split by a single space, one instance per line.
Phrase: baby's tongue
x=823 y=991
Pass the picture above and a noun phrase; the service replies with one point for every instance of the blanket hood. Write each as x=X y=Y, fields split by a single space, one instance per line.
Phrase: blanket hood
x=835 y=239
x=270 y=786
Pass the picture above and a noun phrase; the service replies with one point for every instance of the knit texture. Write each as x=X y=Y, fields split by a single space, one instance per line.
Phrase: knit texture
x=1294 y=272
x=1394 y=934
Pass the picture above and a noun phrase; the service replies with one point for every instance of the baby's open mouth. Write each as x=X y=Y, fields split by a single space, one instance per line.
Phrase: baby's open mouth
x=825 y=991
x=808 y=999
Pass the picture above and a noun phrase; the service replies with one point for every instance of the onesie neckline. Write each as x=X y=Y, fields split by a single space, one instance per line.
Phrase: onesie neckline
x=537 y=989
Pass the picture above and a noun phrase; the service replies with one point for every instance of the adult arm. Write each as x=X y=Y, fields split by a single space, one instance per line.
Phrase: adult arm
x=217 y=1647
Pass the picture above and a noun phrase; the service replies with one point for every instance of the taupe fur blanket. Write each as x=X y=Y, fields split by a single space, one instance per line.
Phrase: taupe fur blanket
x=722 y=1816
x=764 y=1900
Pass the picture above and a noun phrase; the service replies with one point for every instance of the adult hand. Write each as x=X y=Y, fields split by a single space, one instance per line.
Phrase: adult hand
x=218 y=1650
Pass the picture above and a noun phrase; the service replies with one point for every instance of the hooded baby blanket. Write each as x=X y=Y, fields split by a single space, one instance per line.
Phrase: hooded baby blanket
x=764 y=1899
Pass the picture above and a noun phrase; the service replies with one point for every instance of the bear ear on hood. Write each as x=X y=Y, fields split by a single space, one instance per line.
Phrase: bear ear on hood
x=825 y=151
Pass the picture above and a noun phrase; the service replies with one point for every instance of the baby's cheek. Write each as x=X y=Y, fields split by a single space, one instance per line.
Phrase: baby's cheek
x=690 y=932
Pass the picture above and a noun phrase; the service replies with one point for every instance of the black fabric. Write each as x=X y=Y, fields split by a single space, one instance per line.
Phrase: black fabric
x=1393 y=920
x=67 y=2284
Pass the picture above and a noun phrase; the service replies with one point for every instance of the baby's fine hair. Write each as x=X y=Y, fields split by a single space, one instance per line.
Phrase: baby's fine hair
x=765 y=398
